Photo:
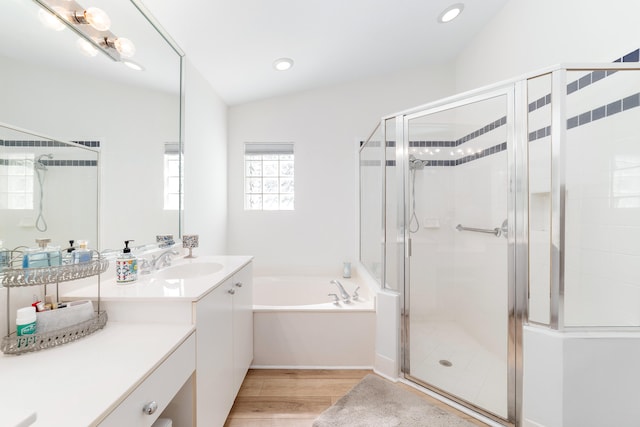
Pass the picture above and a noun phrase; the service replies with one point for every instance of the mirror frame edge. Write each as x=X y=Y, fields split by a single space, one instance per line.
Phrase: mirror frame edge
x=181 y=128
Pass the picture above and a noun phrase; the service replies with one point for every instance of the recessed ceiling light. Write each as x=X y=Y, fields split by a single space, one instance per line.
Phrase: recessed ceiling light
x=283 y=64
x=451 y=13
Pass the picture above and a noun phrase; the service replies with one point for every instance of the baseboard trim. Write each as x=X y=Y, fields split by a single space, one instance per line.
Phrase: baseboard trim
x=311 y=367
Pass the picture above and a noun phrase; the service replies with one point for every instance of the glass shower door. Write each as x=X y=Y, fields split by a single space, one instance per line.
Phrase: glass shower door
x=457 y=227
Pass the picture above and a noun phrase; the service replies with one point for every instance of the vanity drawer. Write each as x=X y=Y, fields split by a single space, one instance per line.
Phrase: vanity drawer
x=159 y=387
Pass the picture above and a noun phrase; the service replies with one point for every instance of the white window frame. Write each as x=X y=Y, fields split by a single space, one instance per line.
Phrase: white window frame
x=266 y=189
x=171 y=195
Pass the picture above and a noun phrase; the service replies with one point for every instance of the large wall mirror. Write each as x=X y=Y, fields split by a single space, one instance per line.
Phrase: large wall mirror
x=130 y=119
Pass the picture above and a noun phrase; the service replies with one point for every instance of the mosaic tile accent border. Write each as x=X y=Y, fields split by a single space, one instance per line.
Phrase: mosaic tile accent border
x=58 y=162
x=586 y=80
x=14 y=143
x=601 y=112
x=73 y=163
x=457 y=162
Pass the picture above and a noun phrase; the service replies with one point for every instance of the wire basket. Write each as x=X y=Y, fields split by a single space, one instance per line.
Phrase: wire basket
x=14 y=344
x=15 y=277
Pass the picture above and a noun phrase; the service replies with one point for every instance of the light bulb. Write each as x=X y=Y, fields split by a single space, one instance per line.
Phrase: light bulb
x=50 y=21
x=125 y=47
x=86 y=48
x=97 y=18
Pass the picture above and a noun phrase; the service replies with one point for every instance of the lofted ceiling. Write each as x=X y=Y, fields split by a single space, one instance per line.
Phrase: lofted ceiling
x=233 y=43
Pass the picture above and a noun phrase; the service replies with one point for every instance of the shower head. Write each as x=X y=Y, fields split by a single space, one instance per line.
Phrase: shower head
x=39 y=164
x=416 y=164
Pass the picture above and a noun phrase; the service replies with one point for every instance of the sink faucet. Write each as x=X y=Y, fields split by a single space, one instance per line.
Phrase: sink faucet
x=343 y=293
x=163 y=260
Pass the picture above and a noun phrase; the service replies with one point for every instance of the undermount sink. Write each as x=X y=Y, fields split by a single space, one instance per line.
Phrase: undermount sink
x=188 y=271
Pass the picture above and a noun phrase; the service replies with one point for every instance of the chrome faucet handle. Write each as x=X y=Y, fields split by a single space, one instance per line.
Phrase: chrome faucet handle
x=355 y=294
x=145 y=266
x=336 y=300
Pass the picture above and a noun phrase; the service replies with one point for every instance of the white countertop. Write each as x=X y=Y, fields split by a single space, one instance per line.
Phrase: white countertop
x=163 y=285
x=79 y=383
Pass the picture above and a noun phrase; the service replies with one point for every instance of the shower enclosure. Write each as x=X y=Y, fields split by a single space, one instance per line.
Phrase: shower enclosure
x=479 y=203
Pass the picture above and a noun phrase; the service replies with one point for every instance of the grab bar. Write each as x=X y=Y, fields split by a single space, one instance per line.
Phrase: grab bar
x=498 y=231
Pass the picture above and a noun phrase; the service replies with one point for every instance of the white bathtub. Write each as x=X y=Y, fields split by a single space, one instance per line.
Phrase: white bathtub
x=297 y=326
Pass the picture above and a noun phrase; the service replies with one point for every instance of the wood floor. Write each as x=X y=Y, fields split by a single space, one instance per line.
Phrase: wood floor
x=294 y=398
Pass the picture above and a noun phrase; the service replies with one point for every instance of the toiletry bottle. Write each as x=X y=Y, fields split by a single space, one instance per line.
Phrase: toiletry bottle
x=5 y=257
x=82 y=255
x=126 y=265
x=67 y=254
x=26 y=321
x=346 y=270
x=43 y=256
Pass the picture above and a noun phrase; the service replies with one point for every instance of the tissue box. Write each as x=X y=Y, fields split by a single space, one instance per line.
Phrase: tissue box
x=75 y=312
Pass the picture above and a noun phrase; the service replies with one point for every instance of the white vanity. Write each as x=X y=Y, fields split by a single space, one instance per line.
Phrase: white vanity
x=184 y=333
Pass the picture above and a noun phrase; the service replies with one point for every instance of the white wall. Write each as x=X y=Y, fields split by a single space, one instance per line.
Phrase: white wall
x=205 y=164
x=531 y=34
x=325 y=125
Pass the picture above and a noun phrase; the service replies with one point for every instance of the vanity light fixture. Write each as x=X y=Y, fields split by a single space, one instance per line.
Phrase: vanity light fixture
x=86 y=48
x=93 y=16
x=451 y=13
x=50 y=20
x=283 y=64
x=92 y=24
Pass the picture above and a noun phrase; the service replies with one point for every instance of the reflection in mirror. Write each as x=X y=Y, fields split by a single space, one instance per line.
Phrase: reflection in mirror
x=48 y=189
x=371 y=202
x=52 y=88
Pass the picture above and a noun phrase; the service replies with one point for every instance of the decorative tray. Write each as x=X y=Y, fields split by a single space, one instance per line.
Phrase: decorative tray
x=15 y=277
x=27 y=343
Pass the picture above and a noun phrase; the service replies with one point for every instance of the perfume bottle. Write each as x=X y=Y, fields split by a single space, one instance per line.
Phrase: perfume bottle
x=83 y=254
x=42 y=256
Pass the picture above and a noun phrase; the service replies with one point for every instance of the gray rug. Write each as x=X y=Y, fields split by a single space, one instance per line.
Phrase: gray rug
x=375 y=402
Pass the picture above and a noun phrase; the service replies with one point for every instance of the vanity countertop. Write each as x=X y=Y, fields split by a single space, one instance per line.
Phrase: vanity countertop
x=79 y=383
x=188 y=279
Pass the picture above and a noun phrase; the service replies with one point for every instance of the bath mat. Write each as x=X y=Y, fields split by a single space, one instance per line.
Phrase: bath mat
x=375 y=402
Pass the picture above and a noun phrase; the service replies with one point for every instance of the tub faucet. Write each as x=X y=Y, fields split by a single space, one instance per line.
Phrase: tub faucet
x=343 y=293
x=163 y=260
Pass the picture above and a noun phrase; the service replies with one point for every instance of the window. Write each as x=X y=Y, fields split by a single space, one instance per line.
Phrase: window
x=268 y=176
x=16 y=181
x=173 y=162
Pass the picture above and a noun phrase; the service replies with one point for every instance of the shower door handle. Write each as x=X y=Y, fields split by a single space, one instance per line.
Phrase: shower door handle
x=498 y=231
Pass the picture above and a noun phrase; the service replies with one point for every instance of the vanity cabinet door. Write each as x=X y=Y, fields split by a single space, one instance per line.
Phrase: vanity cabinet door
x=242 y=282
x=157 y=390
x=214 y=374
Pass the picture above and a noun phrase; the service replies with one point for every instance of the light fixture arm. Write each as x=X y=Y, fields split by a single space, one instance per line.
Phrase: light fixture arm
x=91 y=24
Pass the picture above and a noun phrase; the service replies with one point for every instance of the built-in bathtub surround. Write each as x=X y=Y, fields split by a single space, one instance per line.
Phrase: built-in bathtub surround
x=297 y=324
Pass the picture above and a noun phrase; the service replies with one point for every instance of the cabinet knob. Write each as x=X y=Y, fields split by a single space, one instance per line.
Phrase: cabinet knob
x=239 y=284
x=232 y=291
x=150 y=407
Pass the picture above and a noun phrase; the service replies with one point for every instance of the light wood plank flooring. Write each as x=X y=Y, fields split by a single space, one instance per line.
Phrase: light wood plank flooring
x=294 y=398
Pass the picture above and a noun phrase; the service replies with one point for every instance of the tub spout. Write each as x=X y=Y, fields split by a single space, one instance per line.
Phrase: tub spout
x=343 y=293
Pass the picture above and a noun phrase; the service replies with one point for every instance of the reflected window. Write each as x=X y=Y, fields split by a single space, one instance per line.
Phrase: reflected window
x=626 y=182
x=17 y=181
x=173 y=162
x=269 y=177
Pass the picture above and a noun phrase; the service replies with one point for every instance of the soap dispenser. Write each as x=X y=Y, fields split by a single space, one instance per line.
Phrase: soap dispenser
x=67 y=254
x=126 y=265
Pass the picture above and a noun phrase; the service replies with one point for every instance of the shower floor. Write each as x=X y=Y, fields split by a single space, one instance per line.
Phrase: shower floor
x=475 y=374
